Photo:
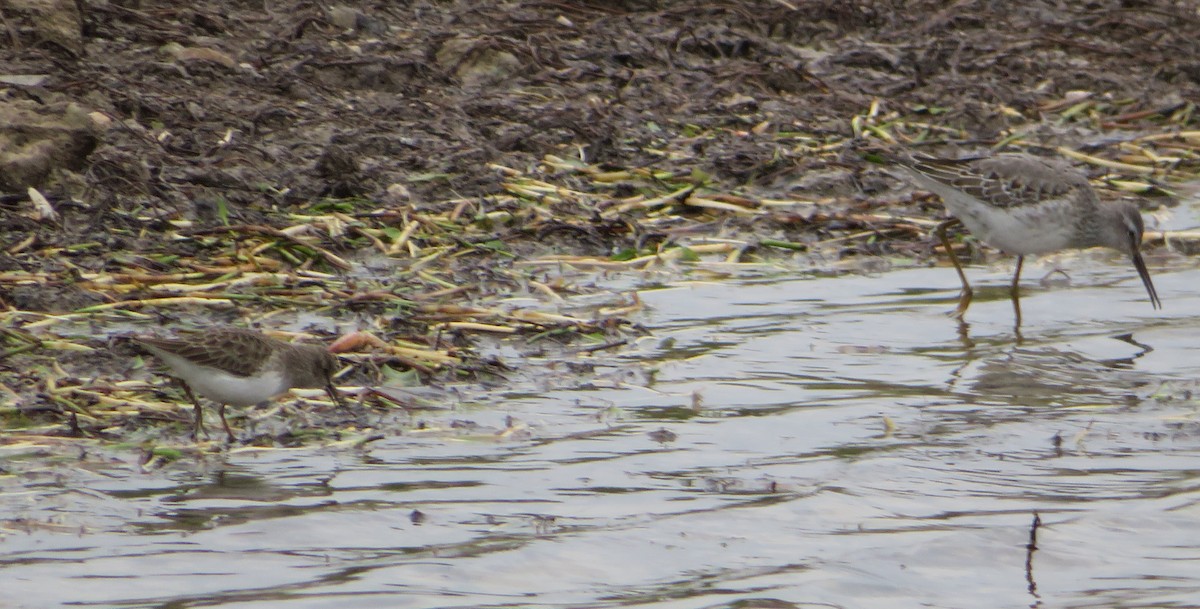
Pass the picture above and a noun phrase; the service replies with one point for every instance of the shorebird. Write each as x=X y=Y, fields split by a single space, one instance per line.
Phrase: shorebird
x=1023 y=204
x=233 y=366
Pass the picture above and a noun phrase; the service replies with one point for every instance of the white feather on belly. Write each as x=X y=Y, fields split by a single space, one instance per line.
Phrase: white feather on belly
x=223 y=387
x=1033 y=229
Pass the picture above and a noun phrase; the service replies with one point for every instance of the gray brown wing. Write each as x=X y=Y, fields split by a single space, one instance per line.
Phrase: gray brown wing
x=1005 y=181
x=234 y=350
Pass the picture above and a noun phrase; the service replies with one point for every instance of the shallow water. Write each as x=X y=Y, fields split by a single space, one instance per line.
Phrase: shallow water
x=838 y=442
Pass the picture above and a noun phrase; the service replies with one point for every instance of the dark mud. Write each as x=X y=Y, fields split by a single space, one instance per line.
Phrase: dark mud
x=377 y=165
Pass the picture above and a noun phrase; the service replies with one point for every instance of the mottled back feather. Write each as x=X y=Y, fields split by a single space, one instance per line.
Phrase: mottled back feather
x=234 y=350
x=1002 y=181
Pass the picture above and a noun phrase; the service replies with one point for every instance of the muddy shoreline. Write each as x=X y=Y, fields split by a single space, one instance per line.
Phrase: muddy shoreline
x=413 y=170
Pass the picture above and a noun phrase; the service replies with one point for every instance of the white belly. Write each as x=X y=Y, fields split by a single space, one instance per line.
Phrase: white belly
x=1020 y=231
x=224 y=387
x=1032 y=229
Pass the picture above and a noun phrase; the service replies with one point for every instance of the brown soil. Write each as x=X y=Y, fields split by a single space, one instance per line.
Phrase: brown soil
x=180 y=142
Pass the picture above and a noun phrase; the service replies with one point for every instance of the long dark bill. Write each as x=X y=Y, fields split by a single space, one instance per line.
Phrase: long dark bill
x=1140 y=265
x=333 y=395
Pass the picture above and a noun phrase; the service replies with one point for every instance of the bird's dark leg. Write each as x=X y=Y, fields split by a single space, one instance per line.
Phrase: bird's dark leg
x=198 y=423
x=1016 y=282
x=229 y=437
x=964 y=299
x=1015 y=291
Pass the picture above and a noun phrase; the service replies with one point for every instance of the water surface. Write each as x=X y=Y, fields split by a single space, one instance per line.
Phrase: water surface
x=778 y=440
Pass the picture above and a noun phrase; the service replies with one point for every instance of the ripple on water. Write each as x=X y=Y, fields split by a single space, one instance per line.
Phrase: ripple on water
x=778 y=440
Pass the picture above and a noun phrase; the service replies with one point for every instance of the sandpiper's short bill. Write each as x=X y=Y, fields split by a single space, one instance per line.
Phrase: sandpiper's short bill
x=1023 y=204
x=234 y=366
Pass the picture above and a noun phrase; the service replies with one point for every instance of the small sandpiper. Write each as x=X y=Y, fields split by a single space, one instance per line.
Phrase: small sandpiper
x=241 y=367
x=1023 y=204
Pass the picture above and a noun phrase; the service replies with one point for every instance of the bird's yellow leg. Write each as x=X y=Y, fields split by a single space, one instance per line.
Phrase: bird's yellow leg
x=964 y=299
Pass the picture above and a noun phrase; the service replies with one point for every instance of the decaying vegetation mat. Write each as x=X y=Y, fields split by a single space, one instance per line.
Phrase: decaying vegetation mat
x=445 y=177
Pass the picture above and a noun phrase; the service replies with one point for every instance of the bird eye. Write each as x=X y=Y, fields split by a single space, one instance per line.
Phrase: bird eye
x=1134 y=228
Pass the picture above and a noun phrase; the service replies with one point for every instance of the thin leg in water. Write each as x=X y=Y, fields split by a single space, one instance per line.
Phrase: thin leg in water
x=964 y=299
x=228 y=432
x=198 y=423
x=1015 y=291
